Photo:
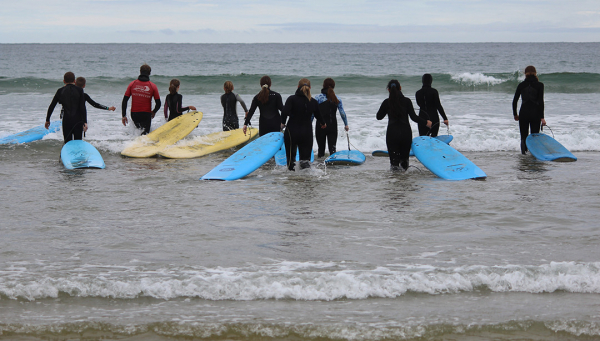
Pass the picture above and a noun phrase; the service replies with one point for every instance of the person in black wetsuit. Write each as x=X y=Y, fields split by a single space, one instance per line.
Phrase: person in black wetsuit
x=80 y=82
x=173 y=101
x=399 y=134
x=329 y=104
x=270 y=105
x=531 y=114
x=74 y=122
x=428 y=100
x=300 y=108
x=229 y=102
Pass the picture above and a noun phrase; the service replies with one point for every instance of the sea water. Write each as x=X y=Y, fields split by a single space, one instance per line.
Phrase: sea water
x=145 y=250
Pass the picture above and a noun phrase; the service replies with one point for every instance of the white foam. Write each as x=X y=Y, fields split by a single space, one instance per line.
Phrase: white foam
x=300 y=281
x=475 y=79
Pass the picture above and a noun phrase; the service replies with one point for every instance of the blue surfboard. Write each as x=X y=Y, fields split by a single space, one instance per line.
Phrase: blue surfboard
x=247 y=159
x=77 y=154
x=545 y=148
x=444 y=161
x=444 y=138
x=346 y=157
x=281 y=158
x=32 y=134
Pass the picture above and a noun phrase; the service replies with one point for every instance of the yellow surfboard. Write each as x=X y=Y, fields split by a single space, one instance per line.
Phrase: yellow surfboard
x=164 y=136
x=210 y=143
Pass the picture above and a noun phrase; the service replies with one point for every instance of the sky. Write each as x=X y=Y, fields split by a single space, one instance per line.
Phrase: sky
x=299 y=21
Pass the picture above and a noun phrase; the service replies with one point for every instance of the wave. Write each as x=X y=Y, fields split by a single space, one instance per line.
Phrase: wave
x=350 y=83
x=511 y=330
x=302 y=281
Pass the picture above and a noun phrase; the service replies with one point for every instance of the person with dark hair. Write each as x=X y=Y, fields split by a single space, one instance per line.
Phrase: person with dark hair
x=229 y=102
x=329 y=104
x=531 y=114
x=80 y=82
x=428 y=100
x=399 y=134
x=173 y=101
x=142 y=90
x=270 y=105
x=72 y=99
x=300 y=108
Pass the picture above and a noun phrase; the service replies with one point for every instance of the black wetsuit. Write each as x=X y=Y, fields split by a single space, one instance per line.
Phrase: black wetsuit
x=531 y=113
x=230 y=118
x=328 y=135
x=270 y=119
x=399 y=134
x=173 y=105
x=72 y=99
x=428 y=100
x=298 y=133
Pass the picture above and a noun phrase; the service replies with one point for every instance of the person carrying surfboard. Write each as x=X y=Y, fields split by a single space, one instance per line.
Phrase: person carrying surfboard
x=300 y=108
x=229 y=102
x=142 y=90
x=74 y=120
x=399 y=134
x=173 y=101
x=531 y=114
x=428 y=100
x=329 y=104
x=270 y=105
x=80 y=82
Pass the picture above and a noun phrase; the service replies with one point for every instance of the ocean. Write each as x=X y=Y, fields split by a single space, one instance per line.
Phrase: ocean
x=144 y=250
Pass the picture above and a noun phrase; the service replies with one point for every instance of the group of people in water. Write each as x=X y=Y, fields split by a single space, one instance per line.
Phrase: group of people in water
x=295 y=117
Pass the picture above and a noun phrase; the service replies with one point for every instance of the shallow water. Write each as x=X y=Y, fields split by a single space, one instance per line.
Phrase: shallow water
x=144 y=250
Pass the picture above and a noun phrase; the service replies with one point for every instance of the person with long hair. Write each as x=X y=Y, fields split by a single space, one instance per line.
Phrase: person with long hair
x=173 y=101
x=229 y=102
x=329 y=104
x=428 y=100
x=531 y=114
x=270 y=105
x=399 y=134
x=300 y=108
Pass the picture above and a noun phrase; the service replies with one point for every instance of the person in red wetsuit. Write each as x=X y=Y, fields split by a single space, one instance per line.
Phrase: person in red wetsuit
x=142 y=90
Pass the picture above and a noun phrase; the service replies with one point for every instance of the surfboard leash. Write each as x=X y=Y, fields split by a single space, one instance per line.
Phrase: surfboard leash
x=542 y=129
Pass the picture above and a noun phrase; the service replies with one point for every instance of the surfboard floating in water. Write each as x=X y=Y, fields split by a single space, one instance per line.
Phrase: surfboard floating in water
x=77 y=154
x=444 y=138
x=32 y=134
x=210 y=143
x=444 y=161
x=346 y=157
x=164 y=136
x=545 y=148
x=248 y=159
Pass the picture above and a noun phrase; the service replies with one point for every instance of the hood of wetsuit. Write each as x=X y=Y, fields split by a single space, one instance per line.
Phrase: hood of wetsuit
x=427 y=79
x=144 y=78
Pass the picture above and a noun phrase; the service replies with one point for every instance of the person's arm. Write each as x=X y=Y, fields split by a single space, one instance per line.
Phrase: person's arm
x=242 y=103
x=166 y=107
x=342 y=113
x=287 y=108
x=383 y=109
x=82 y=110
x=157 y=103
x=93 y=103
x=439 y=106
x=419 y=98
x=317 y=113
x=179 y=101
x=253 y=107
x=515 y=102
x=52 y=106
x=413 y=116
x=541 y=100
x=124 y=109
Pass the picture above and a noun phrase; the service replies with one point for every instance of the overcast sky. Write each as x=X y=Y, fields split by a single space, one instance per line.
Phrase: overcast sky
x=237 y=21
